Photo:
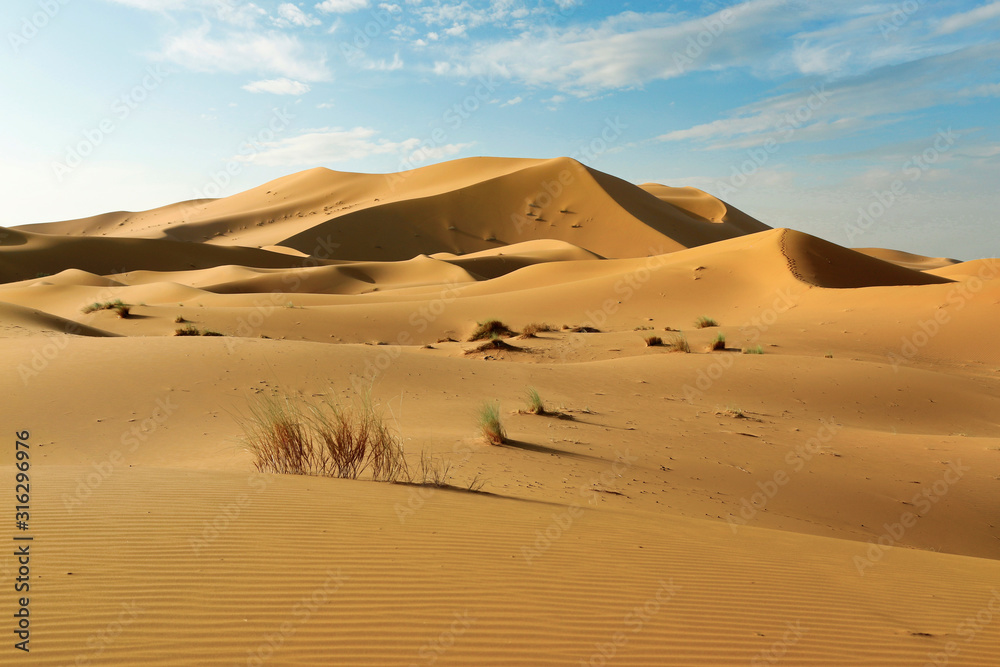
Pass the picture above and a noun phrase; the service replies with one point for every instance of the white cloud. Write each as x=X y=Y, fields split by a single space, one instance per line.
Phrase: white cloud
x=289 y=14
x=341 y=6
x=859 y=103
x=277 y=87
x=330 y=145
x=970 y=18
x=235 y=12
x=383 y=66
x=245 y=52
x=511 y=102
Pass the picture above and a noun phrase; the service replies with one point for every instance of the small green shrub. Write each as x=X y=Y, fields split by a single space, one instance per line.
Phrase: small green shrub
x=534 y=401
x=705 y=322
x=489 y=423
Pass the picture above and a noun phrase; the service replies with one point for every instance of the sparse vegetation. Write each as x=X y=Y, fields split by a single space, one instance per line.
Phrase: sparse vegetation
x=734 y=412
x=679 y=343
x=829 y=355
x=534 y=402
x=191 y=330
x=495 y=343
x=490 y=329
x=433 y=471
x=530 y=330
x=654 y=341
x=121 y=308
x=754 y=349
x=179 y=319
x=489 y=423
x=302 y=438
x=719 y=343
x=585 y=329
x=705 y=322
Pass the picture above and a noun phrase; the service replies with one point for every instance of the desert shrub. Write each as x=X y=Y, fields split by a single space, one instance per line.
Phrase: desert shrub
x=679 y=343
x=189 y=330
x=307 y=438
x=534 y=402
x=653 y=341
x=117 y=305
x=719 y=343
x=490 y=329
x=705 y=322
x=754 y=349
x=489 y=423
x=495 y=343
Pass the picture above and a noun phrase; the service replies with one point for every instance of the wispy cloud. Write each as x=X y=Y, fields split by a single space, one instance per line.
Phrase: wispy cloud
x=277 y=87
x=332 y=145
x=860 y=103
x=235 y=52
x=341 y=6
x=291 y=15
x=975 y=17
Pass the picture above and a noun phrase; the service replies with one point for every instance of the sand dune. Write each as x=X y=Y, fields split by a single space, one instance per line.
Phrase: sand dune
x=908 y=259
x=820 y=490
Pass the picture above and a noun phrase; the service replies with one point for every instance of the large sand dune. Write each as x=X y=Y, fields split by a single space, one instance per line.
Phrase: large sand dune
x=827 y=498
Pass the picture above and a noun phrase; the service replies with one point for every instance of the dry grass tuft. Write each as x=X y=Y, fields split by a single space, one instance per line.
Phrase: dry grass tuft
x=653 y=341
x=705 y=322
x=679 y=343
x=121 y=308
x=719 y=343
x=490 y=329
x=324 y=439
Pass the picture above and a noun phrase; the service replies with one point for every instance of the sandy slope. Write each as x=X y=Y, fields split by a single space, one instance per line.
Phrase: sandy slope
x=830 y=501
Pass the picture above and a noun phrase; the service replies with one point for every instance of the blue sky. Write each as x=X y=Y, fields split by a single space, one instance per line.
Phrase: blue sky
x=865 y=123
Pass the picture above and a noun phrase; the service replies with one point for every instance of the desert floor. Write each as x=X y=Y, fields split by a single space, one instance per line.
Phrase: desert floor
x=830 y=501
